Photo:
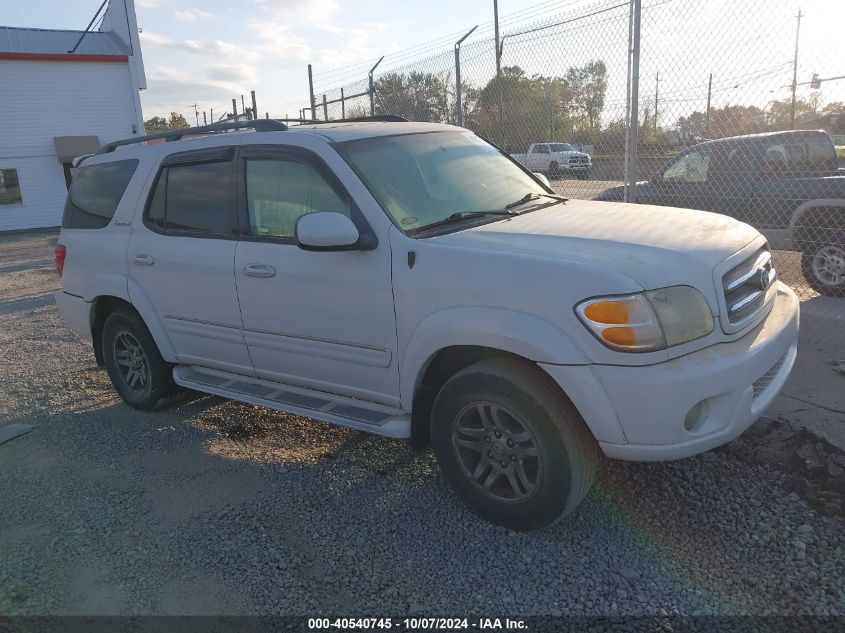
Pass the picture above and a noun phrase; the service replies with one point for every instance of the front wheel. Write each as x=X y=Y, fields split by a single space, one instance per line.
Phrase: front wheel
x=823 y=265
x=554 y=170
x=511 y=446
x=138 y=372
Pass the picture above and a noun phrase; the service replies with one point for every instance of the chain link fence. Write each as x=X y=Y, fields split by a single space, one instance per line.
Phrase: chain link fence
x=684 y=103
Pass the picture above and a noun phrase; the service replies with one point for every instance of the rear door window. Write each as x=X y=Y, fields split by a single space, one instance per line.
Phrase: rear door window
x=194 y=199
x=95 y=193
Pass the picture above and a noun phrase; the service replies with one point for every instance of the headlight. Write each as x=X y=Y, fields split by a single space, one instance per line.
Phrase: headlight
x=648 y=321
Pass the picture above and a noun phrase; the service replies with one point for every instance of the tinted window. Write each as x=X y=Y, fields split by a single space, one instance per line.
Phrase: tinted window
x=281 y=191
x=95 y=193
x=10 y=189
x=194 y=198
x=820 y=152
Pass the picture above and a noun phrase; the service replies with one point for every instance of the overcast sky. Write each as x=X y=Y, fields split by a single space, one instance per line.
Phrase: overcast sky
x=208 y=52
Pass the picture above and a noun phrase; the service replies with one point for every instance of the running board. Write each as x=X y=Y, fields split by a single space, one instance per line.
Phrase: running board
x=319 y=405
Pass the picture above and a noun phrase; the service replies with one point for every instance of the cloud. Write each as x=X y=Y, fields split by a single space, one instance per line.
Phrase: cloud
x=147 y=4
x=190 y=15
x=309 y=11
x=277 y=42
x=214 y=48
x=355 y=43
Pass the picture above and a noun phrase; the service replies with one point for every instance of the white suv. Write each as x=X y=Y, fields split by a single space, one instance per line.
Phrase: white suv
x=411 y=280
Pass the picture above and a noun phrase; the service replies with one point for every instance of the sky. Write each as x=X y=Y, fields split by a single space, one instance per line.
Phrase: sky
x=208 y=52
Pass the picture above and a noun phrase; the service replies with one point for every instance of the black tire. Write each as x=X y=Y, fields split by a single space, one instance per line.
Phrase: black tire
x=584 y=175
x=815 y=257
x=554 y=170
x=521 y=397
x=125 y=327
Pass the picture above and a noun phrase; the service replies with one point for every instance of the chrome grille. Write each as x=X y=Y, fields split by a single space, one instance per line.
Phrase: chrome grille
x=745 y=286
x=762 y=383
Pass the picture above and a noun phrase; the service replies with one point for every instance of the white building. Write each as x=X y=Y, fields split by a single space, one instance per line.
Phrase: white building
x=57 y=105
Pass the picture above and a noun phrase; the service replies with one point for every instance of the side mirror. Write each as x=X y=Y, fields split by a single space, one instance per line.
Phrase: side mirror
x=542 y=178
x=326 y=231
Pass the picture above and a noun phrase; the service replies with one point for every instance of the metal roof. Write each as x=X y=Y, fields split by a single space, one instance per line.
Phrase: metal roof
x=49 y=41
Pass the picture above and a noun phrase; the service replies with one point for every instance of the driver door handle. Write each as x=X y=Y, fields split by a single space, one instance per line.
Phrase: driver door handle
x=259 y=270
x=144 y=260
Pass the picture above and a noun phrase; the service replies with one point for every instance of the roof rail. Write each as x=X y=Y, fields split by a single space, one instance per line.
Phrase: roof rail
x=259 y=125
x=388 y=118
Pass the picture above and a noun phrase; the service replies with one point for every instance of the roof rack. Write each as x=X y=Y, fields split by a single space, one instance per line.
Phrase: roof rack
x=259 y=125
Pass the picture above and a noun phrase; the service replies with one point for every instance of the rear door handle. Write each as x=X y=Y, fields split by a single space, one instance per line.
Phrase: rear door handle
x=144 y=260
x=259 y=270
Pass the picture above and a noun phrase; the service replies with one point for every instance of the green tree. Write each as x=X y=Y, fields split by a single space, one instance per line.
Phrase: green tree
x=157 y=124
x=416 y=96
x=587 y=86
x=176 y=121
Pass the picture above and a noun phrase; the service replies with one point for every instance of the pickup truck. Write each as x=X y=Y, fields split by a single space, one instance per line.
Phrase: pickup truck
x=413 y=281
x=556 y=160
x=786 y=184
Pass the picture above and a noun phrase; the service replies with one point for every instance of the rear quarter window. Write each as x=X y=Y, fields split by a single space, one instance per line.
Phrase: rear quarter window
x=95 y=193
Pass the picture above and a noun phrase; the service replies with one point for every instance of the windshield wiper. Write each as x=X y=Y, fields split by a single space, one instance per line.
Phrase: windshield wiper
x=529 y=197
x=463 y=215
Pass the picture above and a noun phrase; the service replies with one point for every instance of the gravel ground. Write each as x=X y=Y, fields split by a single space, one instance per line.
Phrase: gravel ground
x=218 y=507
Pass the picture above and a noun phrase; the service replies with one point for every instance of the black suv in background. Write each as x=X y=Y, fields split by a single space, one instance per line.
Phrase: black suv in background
x=786 y=184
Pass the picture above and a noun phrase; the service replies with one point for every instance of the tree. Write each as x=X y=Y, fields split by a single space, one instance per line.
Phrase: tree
x=416 y=96
x=587 y=86
x=176 y=121
x=157 y=124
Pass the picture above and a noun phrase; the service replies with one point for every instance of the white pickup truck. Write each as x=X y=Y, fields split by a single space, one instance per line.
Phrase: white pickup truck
x=411 y=280
x=556 y=160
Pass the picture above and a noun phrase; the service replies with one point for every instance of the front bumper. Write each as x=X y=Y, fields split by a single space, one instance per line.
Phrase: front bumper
x=733 y=382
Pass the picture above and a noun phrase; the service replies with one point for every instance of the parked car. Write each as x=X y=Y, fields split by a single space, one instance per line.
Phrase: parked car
x=787 y=184
x=556 y=160
x=411 y=280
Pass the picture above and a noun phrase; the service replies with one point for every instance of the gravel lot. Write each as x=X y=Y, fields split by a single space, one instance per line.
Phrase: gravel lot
x=217 y=507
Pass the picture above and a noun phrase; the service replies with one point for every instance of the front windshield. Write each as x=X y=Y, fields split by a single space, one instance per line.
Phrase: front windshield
x=421 y=179
x=562 y=147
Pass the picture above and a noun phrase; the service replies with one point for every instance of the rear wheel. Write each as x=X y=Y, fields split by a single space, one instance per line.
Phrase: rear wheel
x=511 y=446
x=138 y=372
x=554 y=170
x=823 y=265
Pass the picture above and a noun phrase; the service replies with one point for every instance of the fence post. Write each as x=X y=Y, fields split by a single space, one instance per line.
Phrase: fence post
x=632 y=131
x=311 y=100
x=458 y=106
x=372 y=90
x=325 y=109
x=254 y=105
x=342 y=105
x=235 y=109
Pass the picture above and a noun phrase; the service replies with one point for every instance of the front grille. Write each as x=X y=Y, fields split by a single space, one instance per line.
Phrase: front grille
x=763 y=382
x=745 y=286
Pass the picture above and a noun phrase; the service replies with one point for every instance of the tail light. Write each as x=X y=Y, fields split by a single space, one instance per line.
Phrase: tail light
x=60 y=252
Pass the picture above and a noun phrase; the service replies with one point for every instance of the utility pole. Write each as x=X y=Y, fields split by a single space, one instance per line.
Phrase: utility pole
x=496 y=26
x=656 y=87
x=795 y=73
x=707 y=115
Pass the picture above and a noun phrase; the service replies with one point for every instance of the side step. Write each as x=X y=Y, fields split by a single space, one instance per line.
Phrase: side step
x=319 y=405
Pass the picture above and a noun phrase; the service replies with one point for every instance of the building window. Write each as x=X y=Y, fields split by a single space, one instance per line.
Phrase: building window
x=10 y=189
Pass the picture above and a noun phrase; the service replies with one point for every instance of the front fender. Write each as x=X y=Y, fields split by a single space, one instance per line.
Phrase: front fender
x=519 y=333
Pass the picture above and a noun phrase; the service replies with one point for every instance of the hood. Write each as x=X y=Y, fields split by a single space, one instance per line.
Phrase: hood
x=655 y=246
